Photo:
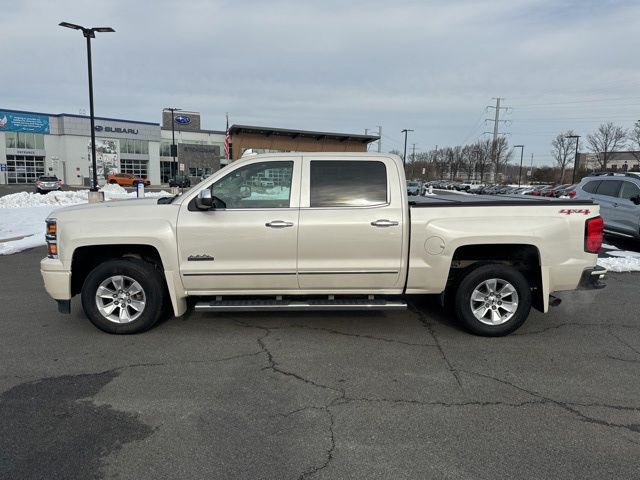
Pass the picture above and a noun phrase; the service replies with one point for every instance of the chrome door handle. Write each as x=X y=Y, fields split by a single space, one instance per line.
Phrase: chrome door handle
x=384 y=223
x=278 y=224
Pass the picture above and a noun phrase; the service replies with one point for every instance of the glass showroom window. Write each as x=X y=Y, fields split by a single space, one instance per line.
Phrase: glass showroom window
x=24 y=169
x=165 y=172
x=137 y=168
x=165 y=150
x=39 y=138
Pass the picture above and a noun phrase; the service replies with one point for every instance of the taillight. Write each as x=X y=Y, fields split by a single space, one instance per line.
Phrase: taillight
x=593 y=233
x=571 y=194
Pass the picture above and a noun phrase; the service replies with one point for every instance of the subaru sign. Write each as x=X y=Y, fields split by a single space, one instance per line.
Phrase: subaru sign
x=183 y=119
x=107 y=129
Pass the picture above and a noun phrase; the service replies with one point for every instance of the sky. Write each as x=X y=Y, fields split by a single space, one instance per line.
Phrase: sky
x=430 y=66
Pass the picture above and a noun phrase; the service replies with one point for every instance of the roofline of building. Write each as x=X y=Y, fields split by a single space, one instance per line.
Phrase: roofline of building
x=218 y=132
x=268 y=131
x=80 y=116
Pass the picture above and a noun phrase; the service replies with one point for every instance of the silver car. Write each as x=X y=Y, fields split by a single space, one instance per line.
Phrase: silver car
x=618 y=195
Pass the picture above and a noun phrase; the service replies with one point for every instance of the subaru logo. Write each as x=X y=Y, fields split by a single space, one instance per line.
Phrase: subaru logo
x=99 y=128
x=183 y=119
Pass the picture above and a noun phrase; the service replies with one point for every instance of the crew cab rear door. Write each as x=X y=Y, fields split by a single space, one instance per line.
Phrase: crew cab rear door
x=351 y=225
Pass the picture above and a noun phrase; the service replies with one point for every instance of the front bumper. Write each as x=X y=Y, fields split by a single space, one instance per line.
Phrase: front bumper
x=592 y=279
x=57 y=280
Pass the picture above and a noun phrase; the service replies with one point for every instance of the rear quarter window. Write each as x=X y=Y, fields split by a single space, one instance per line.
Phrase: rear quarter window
x=609 y=188
x=590 y=187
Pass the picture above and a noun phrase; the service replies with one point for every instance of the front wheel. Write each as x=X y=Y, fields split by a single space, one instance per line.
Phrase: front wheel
x=493 y=300
x=123 y=296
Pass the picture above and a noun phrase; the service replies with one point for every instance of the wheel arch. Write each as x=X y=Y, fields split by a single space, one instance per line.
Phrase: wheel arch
x=523 y=257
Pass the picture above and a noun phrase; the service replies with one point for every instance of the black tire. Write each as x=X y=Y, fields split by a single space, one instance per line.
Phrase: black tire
x=145 y=274
x=473 y=279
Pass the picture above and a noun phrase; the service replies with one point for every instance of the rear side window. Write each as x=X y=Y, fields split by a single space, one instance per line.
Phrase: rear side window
x=342 y=183
x=629 y=190
x=610 y=188
x=590 y=187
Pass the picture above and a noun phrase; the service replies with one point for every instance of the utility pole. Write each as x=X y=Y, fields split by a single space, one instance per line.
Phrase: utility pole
x=521 y=147
x=405 y=131
x=413 y=161
x=575 y=160
x=379 y=138
x=496 y=122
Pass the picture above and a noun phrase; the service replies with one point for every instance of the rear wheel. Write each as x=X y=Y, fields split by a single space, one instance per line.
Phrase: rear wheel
x=493 y=300
x=123 y=296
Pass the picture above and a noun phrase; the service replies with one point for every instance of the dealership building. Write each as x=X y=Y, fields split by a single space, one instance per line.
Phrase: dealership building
x=34 y=144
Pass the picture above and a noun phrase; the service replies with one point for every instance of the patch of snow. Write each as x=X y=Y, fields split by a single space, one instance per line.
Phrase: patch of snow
x=624 y=253
x=620 y=264
x=23 y=214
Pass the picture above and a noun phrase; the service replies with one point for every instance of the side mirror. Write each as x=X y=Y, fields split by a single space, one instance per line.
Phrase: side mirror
x=245 y=191
x=636 y=199
x=204 y=200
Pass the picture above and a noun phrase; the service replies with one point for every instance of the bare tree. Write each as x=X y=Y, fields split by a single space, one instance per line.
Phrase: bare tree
x=606 y=139
x=563 y=150
x=482 y=150
x=634 y=138
x=502 y=154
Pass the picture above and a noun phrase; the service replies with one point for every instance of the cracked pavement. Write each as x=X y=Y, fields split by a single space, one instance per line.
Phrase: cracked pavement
x=314 y=396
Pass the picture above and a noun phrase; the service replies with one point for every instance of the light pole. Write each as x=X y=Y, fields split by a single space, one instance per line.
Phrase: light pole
x=90 y=33
x=575 y=160
x=521 y=147
x=174 y=148
x=405 y=131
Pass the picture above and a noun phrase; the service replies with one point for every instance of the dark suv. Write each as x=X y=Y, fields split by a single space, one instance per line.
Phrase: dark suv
x=618 y=195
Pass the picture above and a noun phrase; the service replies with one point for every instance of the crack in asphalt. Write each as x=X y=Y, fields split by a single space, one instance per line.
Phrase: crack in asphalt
x=571 y=324
x=567 y=406
x=624 y=342
x=422 y=318
x=628 y=360
x=330 y=450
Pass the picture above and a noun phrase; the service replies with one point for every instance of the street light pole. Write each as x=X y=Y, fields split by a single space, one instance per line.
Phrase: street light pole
x=521 y=155
x=575 y=160
x=404 y=158
x=90 y=33
x=174 y=149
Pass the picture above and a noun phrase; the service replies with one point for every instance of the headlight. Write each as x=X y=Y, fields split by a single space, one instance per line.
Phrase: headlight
x=51 y=237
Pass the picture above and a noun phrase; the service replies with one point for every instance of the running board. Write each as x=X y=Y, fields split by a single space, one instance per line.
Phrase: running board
x=297 y=305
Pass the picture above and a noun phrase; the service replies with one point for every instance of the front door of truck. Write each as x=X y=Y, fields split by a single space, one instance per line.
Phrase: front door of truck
x=247 y=244
x=351 y=225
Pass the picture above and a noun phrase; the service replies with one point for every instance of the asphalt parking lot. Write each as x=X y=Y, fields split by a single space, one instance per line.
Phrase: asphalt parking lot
x=388 y=395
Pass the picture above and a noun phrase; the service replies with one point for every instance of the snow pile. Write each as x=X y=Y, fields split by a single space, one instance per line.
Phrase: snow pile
x=620 y=264
x=621 y=261
x=22 y=215
x=28 y=199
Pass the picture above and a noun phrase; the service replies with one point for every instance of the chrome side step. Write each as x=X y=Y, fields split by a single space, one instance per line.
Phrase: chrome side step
x=298 y=305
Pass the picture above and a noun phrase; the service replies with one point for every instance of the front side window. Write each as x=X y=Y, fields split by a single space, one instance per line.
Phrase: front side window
x=343 y=183
x=609 y=188
x=629 y=190
x=259 y=185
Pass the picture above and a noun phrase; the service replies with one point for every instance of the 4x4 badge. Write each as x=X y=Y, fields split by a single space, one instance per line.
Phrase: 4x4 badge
x=569 y=211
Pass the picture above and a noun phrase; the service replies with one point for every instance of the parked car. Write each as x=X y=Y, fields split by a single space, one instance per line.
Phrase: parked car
x=569 y=191
x=414 y=188
x=181 y=181
x=619 y=198
x=47 y=183
x=553 y=192
x=126 y=179
x=347 y=239
x=538 y=190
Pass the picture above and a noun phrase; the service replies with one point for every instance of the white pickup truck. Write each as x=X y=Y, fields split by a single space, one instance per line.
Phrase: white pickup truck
x=319 y=231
